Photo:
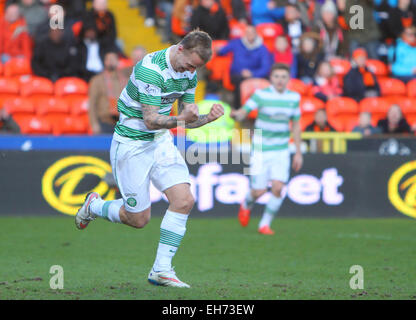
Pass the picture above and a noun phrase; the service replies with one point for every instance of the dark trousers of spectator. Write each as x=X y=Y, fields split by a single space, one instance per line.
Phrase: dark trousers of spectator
x=108 y=127
x=150 y=9
x=405 y=79
x=236 y=80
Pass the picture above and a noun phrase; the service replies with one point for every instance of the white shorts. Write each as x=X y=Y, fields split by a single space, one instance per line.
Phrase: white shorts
x=267 y=166
x=134 y=167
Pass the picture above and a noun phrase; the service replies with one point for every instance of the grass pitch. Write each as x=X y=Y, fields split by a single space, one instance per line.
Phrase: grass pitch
x=306 y=259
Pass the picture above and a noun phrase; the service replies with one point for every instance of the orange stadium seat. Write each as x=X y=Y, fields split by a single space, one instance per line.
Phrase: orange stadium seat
x=1 y=69
x=34 y=125
x=378 y=108
x=19 y=106
x=247 y=89
x=69 y=125
x=341 y=111
x=51 y=107
x=392 y=87
x=77 y=105
x=340 y=66
x=308 y=107
x=298 y=86
x=17 y=67
x=36 y=86
x=219 y=65
x=379 y=68
x=9 y=88
x=71 y=86
x=269 y=32
x=237 y=29
x=125 y=63
x=411 y=88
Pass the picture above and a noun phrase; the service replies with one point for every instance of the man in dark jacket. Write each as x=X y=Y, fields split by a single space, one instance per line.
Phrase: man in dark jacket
x=54 y=57
x=360 y=82
x=211 y=18
x=251 y=59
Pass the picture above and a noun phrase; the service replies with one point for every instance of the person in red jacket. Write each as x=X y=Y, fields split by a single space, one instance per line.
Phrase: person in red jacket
x=14 y=37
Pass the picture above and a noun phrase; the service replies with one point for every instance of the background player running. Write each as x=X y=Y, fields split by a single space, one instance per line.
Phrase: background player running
x=276 y=106
x=142 y=149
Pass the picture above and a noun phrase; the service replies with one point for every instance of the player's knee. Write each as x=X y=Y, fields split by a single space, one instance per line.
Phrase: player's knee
x=258 y=193
x=140 y=221
x=277 y=190
x=185 y=203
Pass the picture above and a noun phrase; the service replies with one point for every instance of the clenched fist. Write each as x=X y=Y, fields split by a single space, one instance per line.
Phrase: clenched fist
x=189 y=114
x=216 y=111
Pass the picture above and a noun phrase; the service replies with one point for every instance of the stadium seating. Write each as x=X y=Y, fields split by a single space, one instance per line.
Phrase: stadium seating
x=17 y=67
x=342 y=111
x=392 y=87
x=71 y=86
x=9 y=88
x=19 y=106
x=77 y=105
x=298 y=86
x=219 y=65
x=34 y=125
x=269 y=32
x=340 y=66
x=378 y=108
x=237 y=29
x=411 y=88
x=69 y=125
x=308 y=107
x=51 y=107
x=33 y=86
x=125 y=63
x=379 y=68
x=248 y=87
x=1 y=69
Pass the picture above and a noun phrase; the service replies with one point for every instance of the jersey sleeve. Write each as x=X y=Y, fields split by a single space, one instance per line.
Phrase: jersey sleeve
x=147 y=88
x=189 y=95
x=252 y=103
x=296 y=110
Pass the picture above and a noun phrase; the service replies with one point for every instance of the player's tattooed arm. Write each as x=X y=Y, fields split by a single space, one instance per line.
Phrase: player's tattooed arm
x=216 y=111
x=154 y=121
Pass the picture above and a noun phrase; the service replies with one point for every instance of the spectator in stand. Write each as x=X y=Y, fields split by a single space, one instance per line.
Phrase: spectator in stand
x=210 y=17
x=360 y=82
x=54 y=57
x=235 y=9
x=104 y=91
x=42 y=30
x=91 y=52
x=104 y=23
x=292 y=25
x=14 y=38
x=75 y=9
x=325 y=83
x=401 y=17
x=394 y=122
x=282 y=53
x=369 y=36
x=7 y=124
x=35 y=14
x=166 y=6
x=309 y=57
x=150 y=13
x=330 y=32
x=309 y=12
x=403 y=56
x=263 y=11
x=137 y=54
x=251 y=59
x=320 y=124
x=364 y=125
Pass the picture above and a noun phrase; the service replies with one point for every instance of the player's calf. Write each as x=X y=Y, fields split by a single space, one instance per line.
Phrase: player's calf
x=136 y=220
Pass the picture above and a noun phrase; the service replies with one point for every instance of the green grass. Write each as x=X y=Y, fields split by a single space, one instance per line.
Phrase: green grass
x=306 y=259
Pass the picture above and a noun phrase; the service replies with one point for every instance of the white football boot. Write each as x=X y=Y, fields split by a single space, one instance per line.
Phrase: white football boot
x=84 y=216
x=166 y=278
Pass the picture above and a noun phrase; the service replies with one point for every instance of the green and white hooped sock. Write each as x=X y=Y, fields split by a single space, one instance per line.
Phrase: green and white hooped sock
x=249 y=201
x=272 y=207
x=172 y=230
x=109 y=210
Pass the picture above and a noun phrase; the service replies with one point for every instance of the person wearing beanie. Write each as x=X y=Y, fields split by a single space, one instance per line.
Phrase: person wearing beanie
x=360 y=82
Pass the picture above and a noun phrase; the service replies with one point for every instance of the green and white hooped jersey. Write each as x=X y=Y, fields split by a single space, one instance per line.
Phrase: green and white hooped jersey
x=152 y=82
x=275 y=111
